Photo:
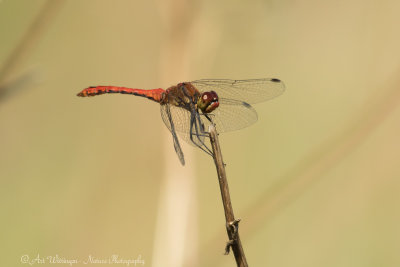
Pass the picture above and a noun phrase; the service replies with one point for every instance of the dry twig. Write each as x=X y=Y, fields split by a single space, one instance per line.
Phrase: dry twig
x=232 y=224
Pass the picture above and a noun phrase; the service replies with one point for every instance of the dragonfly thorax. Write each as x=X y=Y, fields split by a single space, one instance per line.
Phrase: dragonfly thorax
x=208 y=101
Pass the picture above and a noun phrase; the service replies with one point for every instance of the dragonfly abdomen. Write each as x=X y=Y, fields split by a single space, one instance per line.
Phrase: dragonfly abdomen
x=152 y=94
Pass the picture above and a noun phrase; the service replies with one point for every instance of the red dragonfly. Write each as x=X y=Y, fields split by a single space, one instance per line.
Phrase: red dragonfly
x=188 y=108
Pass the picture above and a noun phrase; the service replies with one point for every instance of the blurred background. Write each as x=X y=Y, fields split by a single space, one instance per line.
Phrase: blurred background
x=315 y=180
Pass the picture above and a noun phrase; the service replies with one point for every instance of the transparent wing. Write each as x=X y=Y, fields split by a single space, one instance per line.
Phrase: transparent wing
x=167 y=118
x=180 y=116
x=231 y=115
x=188 y=126
x=250 y=91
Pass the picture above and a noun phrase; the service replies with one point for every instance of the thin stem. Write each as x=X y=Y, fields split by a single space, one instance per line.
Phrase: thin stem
x=232 y=225
x=32 y=36
x=10 y=82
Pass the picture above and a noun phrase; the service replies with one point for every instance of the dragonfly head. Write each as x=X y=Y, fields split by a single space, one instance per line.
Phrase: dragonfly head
x=208 y=101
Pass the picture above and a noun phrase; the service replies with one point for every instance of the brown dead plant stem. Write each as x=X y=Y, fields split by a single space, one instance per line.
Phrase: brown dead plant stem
x=232 y=224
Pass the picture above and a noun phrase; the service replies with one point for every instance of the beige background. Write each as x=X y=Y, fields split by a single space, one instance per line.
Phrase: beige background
x=315 y=180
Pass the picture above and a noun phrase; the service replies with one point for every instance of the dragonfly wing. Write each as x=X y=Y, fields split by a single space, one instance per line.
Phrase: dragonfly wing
x=167 y=118
x=250 y=91
x=180 y=117
x=178 y=149
x=232 y=115
x=185 y=124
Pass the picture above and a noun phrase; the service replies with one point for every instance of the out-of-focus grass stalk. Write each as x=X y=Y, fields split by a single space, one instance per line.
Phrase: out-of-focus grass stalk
x=14 y=86
x=175 y=242
x=26 y=45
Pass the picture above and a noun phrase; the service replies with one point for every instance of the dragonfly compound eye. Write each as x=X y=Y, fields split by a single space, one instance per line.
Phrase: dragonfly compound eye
x=208 y=101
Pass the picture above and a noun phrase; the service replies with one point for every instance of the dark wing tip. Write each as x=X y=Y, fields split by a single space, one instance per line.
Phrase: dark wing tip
x=247 y=105
x=275 y=80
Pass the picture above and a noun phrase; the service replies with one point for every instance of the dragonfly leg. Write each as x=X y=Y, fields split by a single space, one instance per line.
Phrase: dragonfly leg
x=208 y=117
x=203 y=133
x=198 y=132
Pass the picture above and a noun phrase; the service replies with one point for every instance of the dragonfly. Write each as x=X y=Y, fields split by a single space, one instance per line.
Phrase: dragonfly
x=188 y=108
